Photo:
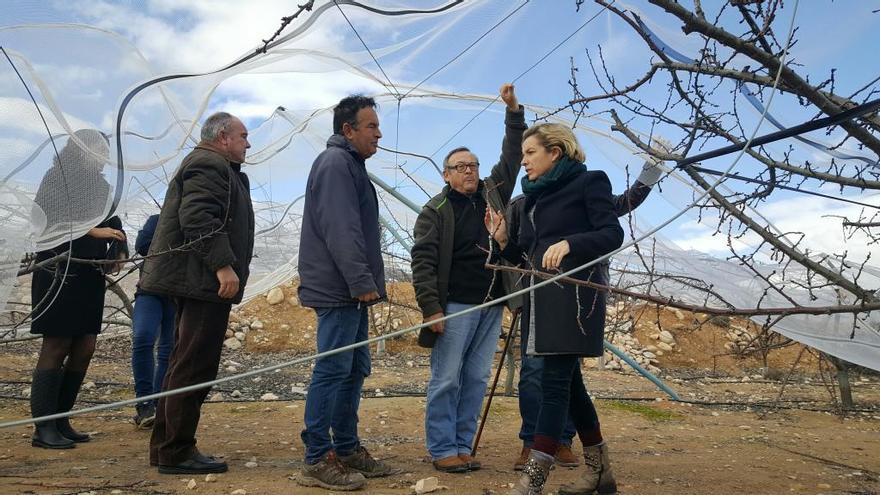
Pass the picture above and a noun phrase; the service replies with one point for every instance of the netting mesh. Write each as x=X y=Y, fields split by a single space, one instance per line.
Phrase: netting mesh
x=149 y=107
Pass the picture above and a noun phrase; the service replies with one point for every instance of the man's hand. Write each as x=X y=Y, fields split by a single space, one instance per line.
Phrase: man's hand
x=106 y=233
x=436 y=327
x=228 y=282
x=496 y=225
x=368 y=297
x=554 y=254
x=508 y=95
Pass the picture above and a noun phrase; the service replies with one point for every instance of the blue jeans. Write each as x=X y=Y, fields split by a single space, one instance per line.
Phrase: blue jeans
x=530 y=395
x=335 y=389
x=563 y=390
x=152 y=321
x=460 y=364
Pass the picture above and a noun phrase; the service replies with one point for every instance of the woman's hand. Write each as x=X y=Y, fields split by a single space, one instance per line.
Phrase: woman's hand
x=106 y=233
x=554 y=254
x=496 y=225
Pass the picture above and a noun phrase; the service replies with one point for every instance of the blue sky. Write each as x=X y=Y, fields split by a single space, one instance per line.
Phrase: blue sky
x=176 y=36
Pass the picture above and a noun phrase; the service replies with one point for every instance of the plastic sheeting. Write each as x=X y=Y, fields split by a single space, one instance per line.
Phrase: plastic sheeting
x=433 y=95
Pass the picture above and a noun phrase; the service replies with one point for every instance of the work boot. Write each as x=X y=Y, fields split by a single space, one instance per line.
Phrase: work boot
x=566 y=458
x=598 y=476
x=534 y=474
x=331 y=474
x=44 y=401
x=70 y=386
x=362 y=462
x=451 y=464
x=522 y=459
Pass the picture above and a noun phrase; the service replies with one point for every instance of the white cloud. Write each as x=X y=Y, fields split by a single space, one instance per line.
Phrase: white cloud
x=814 y=217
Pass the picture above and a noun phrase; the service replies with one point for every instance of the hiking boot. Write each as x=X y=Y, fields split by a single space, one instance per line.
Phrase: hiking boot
x=146 y=416
x=534 y=474
x=362 y=462
x=472 y=464
x=598 y=476
x=522 y=459
x=331 y=474
x=566 y=458
x=451 y=464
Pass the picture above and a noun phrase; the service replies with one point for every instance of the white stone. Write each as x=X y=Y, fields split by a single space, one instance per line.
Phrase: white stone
x=230 y=333
x=232 y=344
x=256 y=325
x=269 y=396
x=191 y=485
x=285 y=327
x=275 y=296
x=236 y=393
x=89 y=385
x=240 y=491
x=663 y=346
x=666 y=337
x=427 y=485
x=239 y=336
x=678 y=314
x=250 y=464
x=649 y=354
x=210 y=478
x=217 y=397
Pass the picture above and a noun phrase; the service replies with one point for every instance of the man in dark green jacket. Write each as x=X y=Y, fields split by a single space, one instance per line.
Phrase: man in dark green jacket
x=200 y=255
x=448 y=259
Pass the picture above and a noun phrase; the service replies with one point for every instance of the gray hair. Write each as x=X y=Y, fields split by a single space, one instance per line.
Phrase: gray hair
x=215 y=124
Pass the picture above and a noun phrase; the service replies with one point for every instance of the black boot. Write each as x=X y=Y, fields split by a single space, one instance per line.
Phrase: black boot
x=44 y=401
x=70 y=386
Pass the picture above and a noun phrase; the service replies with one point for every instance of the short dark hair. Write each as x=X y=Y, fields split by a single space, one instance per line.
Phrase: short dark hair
x=456 y=150
x=347 y=108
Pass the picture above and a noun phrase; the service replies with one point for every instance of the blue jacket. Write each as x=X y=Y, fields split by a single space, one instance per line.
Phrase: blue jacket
x=145 y=235
x=339 y=251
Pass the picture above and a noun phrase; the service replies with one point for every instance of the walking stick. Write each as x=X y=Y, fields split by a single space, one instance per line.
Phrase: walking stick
x=510 y=333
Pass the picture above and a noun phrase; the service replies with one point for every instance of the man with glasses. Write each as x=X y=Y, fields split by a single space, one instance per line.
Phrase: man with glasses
x=448 y=257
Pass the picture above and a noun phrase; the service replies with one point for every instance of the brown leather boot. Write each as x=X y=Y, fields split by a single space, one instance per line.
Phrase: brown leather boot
x=598 y=476
x=566 y=458
x=534 y=474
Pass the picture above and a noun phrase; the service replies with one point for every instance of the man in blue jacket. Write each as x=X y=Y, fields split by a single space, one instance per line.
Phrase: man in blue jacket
x=341 y=273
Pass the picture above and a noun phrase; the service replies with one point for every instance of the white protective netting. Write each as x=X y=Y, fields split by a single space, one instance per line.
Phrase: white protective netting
x=435 y=92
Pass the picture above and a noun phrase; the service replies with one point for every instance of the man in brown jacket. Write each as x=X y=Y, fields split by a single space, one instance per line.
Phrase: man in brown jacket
x=200 y=256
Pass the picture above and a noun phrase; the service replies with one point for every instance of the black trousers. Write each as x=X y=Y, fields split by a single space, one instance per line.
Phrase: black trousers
x=200 y=328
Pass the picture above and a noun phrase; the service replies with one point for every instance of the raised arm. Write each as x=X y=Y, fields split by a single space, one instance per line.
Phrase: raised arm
x=505 y=172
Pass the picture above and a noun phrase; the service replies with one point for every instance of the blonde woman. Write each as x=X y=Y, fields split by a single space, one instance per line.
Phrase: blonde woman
x=567 y=219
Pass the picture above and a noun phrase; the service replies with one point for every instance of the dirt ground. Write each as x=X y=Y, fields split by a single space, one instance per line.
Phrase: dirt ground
x=735 y=432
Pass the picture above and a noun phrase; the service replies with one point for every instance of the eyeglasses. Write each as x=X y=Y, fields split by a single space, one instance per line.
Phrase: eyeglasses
x=462 y=167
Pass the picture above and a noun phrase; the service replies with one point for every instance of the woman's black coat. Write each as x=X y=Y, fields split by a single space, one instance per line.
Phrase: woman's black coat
x=568 y=319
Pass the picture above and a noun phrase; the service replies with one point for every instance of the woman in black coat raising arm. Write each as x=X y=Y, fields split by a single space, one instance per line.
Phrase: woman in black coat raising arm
x=566 y=220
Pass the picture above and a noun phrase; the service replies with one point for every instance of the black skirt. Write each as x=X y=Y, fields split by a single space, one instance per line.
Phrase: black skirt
x=67 y=306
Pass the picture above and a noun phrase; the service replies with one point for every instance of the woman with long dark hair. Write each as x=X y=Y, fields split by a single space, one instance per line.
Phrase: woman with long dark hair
x=67 y=297
x=566 y=219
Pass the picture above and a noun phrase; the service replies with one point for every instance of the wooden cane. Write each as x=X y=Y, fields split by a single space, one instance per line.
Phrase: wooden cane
x=510 y=333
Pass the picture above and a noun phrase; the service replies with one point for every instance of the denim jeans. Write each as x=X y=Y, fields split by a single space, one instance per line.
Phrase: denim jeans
x=335 y=389
x=461 y=361
x=563 y=390
x=153 y=321
x=530 y=401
